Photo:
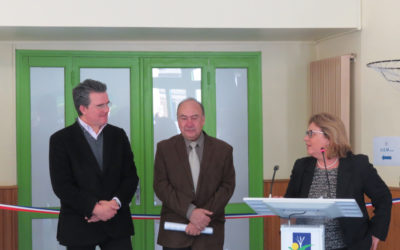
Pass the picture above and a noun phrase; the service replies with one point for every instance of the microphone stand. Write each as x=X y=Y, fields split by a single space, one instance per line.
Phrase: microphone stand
x=276 y=167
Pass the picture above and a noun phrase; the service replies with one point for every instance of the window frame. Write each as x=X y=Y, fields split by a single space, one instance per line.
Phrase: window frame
x=141 y=110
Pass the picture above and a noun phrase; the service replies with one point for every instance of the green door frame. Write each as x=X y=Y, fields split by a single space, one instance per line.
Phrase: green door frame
x=209 y=64
x=140 y=64
x=135 y=124
x=23 y=116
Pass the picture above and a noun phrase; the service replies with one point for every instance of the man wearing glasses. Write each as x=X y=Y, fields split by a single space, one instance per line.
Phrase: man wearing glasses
x=93 y=174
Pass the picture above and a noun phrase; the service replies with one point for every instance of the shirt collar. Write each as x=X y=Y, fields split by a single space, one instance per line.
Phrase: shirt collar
x=89 y=129
x=200 y=140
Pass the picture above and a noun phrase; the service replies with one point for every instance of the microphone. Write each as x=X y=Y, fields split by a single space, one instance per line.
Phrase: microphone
x=323 y=150
x=276 y=168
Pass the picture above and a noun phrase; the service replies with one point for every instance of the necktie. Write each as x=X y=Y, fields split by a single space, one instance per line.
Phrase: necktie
x=194 y=164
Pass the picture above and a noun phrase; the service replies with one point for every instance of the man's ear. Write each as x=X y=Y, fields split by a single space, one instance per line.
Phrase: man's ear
x=82 y=109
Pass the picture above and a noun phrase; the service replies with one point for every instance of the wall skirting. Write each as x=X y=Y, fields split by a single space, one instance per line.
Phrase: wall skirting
x=8 y=219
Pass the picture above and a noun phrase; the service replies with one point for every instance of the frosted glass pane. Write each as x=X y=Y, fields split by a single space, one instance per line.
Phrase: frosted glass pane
x=156 y=228
x=44 y=233
x=47 y=116
x=231 y=102
x=170 y=87
x=237 y=234
x=118 y=90
x=235 y=238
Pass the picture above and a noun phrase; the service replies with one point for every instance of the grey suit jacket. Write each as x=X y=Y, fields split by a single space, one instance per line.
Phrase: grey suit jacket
x=173 y=185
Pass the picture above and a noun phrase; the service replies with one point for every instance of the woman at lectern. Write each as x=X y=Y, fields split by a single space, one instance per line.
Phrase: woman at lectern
x=333 y=171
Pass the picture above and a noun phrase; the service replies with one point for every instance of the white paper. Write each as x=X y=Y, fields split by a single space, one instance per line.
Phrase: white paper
x=181 y=227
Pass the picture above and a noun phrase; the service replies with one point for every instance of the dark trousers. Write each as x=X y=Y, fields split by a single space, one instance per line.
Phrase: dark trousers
x=185 y=248
x=111 y=244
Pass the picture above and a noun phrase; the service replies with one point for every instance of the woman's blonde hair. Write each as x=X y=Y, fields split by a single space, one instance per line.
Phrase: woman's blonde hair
x=335 y=131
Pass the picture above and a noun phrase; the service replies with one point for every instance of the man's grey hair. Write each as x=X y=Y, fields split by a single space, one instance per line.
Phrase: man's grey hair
x=194 y=100
x=80 y=93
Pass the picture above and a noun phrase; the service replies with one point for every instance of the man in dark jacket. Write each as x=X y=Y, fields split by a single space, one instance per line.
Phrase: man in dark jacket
x=93 y=174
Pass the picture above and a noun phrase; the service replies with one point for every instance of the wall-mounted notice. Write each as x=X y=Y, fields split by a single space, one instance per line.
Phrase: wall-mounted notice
x=387 y=151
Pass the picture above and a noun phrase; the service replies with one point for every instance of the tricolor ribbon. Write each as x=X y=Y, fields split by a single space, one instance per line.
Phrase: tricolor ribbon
x=139 y=216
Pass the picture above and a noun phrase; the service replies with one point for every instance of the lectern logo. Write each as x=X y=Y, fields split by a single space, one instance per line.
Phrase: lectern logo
x=301 y=241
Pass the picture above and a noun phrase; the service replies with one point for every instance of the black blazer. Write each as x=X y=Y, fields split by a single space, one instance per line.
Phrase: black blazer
x=356 y=177
x=79 y=183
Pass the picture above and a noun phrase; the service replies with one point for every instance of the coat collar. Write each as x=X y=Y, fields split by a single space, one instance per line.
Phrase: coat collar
x=345 y=175
x=87 y=151
x=208 y=152
x=108 y=140
x=308 y=176
x=180 y=147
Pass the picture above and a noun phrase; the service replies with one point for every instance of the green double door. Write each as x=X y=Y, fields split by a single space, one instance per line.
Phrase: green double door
x=145 y=89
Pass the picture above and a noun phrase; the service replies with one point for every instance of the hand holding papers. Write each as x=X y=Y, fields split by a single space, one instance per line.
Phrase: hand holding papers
x=181 y=227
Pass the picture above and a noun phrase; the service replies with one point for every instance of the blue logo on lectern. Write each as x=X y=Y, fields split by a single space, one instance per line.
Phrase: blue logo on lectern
x=301 y=241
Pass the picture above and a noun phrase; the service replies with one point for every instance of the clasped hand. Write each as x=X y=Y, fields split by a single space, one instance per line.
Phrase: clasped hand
x=199 y=219
x=103 y=211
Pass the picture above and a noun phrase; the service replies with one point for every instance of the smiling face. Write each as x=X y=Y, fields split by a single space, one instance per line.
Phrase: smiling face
x=96 y=114
x=190 y=120
x=317 y=141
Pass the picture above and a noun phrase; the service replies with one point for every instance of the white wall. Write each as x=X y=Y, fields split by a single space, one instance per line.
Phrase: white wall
x=284 y=83
x=342 y=45
x=8 y=162
x=380 y=113
x=284 y=76
x=182 y=13
x=375 y=102
x=286 y=105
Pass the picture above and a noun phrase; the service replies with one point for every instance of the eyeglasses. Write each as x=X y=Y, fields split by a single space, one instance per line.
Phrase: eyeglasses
x=310 y=132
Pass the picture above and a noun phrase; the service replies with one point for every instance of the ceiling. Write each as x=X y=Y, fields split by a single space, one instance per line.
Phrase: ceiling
x=165 y=34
